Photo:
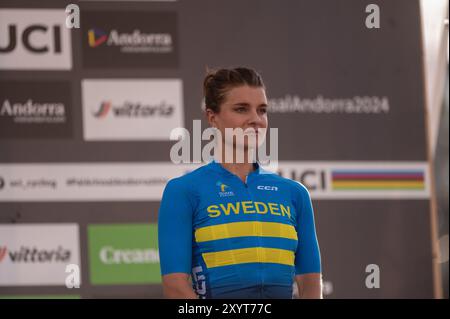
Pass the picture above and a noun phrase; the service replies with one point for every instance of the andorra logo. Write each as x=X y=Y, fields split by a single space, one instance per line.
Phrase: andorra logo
x=96 y=37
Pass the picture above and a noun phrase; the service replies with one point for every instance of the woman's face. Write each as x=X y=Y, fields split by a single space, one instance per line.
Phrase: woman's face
x=244 y=107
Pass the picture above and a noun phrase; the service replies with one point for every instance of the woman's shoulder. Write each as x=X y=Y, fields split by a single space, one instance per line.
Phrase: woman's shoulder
x=189 y=178
x=295 y=186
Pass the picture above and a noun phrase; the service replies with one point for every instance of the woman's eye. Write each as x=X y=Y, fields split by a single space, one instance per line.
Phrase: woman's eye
x=263 y=110
x=240 y=109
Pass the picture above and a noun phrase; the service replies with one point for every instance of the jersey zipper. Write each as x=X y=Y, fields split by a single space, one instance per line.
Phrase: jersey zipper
x=259 y=244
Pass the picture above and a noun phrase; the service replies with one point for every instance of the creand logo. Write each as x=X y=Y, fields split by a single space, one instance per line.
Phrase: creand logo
x=113 y=256
x=136 y=41
x=133 y=109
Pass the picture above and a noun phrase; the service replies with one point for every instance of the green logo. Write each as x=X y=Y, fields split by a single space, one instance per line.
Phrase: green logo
x=124 y=254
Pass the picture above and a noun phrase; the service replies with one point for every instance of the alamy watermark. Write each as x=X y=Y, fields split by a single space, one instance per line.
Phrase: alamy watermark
x=73 y=16
x=373 y=279
x=73 y=278
x=373 y=18
x=235 y=146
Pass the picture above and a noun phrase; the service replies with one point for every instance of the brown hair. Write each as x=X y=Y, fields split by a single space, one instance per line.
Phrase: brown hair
x=218 y=82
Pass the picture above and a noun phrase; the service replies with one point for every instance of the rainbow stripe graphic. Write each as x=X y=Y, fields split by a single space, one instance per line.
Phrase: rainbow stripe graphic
x=377 y=179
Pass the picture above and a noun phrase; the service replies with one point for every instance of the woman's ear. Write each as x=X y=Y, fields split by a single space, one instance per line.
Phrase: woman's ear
x=211 y=117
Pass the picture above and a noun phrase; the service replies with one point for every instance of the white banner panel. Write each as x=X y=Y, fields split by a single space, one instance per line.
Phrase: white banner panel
x=86 y=181
x=37 y=254
x=359 y=180
x=34 y=39
x=146 y=181
x=131 y=109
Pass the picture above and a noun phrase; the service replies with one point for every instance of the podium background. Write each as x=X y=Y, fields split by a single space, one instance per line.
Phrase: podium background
x=309 y=50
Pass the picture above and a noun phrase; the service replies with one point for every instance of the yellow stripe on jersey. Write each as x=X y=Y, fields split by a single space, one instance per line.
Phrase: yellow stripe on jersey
x=241 y=229
x=249 y=255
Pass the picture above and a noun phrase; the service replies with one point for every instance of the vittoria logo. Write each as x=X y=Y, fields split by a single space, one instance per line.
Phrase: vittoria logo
x=103 y=110
x=3 y=251
x=130 y=109
x=28 y=258
x=34 y=255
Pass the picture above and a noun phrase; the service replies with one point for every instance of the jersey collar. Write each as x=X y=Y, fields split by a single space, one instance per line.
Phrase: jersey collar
x=222 y=170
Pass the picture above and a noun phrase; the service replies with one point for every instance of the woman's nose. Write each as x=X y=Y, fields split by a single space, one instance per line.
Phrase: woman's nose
x=256 y=119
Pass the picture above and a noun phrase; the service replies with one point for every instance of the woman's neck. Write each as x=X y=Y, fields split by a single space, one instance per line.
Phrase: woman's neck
x=239 y=169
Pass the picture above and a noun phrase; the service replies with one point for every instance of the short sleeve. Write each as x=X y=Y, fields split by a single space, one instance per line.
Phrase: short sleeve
x=307 y=258
x=175 y=229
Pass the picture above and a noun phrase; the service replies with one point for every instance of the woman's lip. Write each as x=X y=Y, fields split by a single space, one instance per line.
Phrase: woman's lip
x=252 y=130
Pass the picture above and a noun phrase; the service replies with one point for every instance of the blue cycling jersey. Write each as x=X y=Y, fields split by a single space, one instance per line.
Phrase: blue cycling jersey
x=236 y=239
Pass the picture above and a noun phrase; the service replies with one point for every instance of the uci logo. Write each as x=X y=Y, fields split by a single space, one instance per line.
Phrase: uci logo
x=267 y=188
x=34 y=39
x=311 y=178
x=51 y=33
